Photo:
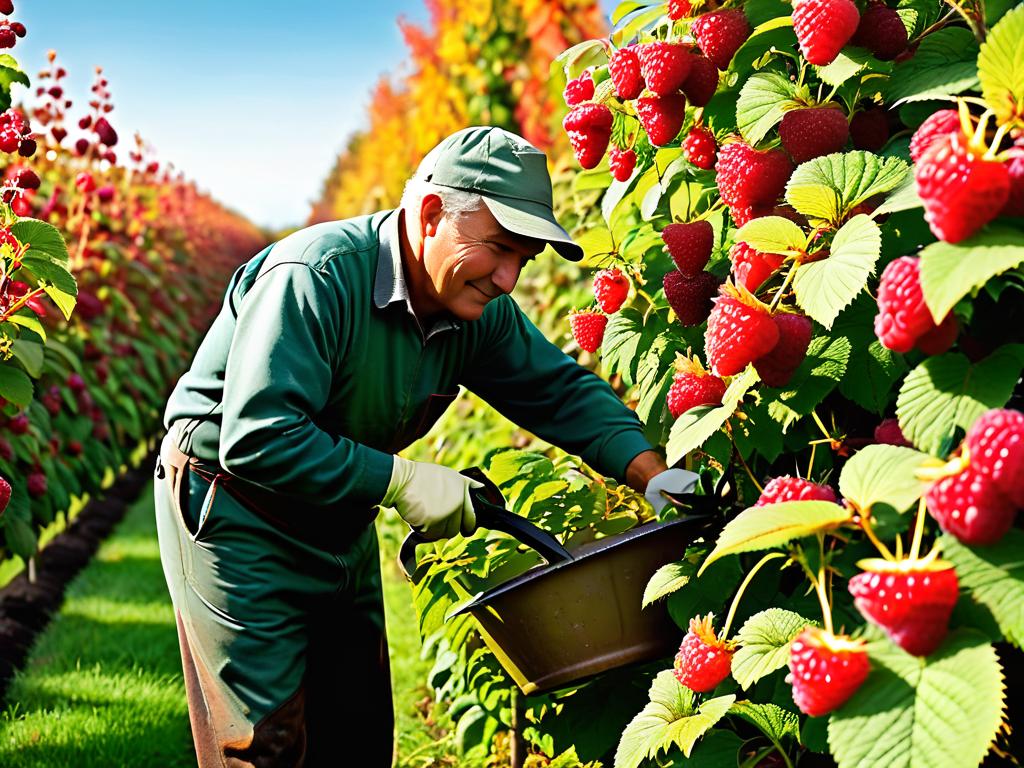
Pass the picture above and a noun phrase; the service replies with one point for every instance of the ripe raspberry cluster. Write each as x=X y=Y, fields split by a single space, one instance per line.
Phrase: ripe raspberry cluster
x=611 y=289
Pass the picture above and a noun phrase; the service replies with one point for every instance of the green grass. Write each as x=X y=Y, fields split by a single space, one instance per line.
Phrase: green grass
x=103 y=684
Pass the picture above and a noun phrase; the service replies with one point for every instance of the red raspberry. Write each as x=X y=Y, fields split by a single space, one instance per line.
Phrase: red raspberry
x=678 y=9
x=621 y=162
x=888 y=432
x=813 y=132
x=969 y=505
x=823 y=27
x=720 y=34
x=751 y=267
x=691 y=388
x=786 y=488
x=825 y=670
x=36 y=483
x=7 y=238
x=690 y=297
x=902 y=317
x=10 y=138
x=689 y=245
x=661 y=117
x=940 y=338
x=85 y=182
x=778 y=366
x=881 y=31
x=742 y=214
x=943 y=122
x=589 y=127
x=703 y=660
x=740 y=330
x=700 y=147
x=611 y=288
x=105 y=131
x=961 y=190
x=27 y=148
x=624 y=68
x=6 y=7
x=588 y=329
x=18 y=424
x=578 y=90
x=702 y=82
x=26 y=178
x=911 y=602
x=664 y=66
x=747 y=177
x=5 y=494
x=869 y=129
x=8 y=37
x=19 y=28
x=995 y=444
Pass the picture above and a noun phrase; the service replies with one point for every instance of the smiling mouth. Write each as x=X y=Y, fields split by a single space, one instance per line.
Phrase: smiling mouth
x=485 y=294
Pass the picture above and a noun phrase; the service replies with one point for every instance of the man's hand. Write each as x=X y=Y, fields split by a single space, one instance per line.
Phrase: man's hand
x=672 y=480
x=433 y=499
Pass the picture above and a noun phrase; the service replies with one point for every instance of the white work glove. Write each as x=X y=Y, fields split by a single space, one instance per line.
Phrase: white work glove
x=672 y=480
x=433 y=499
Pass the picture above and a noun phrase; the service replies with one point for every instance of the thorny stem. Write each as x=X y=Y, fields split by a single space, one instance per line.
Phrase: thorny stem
x=782 y=289
x=915 y=547
x=739 y=593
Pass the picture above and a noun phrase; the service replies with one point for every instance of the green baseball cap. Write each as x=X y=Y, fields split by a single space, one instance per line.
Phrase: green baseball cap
x=509 y=173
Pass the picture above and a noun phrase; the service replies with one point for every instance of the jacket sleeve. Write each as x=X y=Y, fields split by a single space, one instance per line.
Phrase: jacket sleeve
x=277 y=380
x=533 y=383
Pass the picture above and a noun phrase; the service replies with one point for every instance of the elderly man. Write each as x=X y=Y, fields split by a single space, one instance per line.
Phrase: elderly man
x=336 y=348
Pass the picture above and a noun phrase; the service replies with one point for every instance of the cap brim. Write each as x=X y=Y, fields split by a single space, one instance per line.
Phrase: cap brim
x=533 y=220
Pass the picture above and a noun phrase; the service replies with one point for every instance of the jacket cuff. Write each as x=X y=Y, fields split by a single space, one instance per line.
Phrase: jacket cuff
x=615 y=454
x=375 y=477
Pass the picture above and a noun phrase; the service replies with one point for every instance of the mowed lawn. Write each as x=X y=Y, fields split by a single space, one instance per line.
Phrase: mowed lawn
x=103 y=685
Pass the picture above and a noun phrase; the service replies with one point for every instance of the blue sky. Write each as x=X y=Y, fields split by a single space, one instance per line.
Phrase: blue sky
x=252 y=99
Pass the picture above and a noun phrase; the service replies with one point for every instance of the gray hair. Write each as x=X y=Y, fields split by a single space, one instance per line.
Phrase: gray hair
x=455 y=202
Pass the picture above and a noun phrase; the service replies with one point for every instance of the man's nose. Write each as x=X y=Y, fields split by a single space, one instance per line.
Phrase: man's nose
x=507 y=274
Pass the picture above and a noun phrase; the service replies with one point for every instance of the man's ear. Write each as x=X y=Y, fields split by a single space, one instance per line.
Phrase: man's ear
x=431 y=213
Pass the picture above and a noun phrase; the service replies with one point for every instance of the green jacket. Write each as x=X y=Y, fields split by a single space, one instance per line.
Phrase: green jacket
x=316 y=372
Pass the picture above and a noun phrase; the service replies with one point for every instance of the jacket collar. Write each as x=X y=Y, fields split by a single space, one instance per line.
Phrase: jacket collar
x=389 y=286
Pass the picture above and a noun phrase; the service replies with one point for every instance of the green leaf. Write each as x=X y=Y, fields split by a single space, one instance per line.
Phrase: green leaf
x=883 y=473
x=668 y=579
x=828 y=188
x=774 y=525
x=30 y=354
x=1001 y=67
x=847 y=64
x=824 y=288
x=631 y=26
x=20 y=536
x=773 y=234
x=15 y=385
x=65 y=301
x=950 y=271
x=947 y=391
x=994 y=577
x=941 y=711
x=878 y=369
x=762 y=102
x=695 y=426
x=596 y=241
x=944 y=66
x=29 y=321
x=44 y=240
x=764 y=644
x=670 y=718
x=902 y=198
x=10 y=73
x=772 y=720
x=824 y=366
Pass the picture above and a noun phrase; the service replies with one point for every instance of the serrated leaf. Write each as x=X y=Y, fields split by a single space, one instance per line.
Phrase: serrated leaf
x=764 y=644
x=941 y=711
x=1001 y=67
x=994 y=577
x=773 y=525
x=950 y=271
x=827 y=188
x=902 y=198
x=947 y=391
x=822 y=369
x=943 y=66
x=44 y=240
x=773 y=234
x=669 y=718
x=20 y=537
x=15 y=385
x=596 y=241
x=883 y=473
x=29 y=321
x=877 y=369
x=772 y=720
x=51 y=271
x=668 y=579
x=695 y=426
x=824 y=288
x=762 y=102
x=632 y=25
x=849 y=62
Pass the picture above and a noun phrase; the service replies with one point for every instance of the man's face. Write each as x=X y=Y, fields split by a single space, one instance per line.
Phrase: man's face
x=470 y=260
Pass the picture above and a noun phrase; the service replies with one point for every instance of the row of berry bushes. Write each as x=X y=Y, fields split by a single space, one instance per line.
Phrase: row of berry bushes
x=109 y=273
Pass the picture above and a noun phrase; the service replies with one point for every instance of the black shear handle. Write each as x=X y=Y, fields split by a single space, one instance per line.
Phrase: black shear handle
x=489 y=506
